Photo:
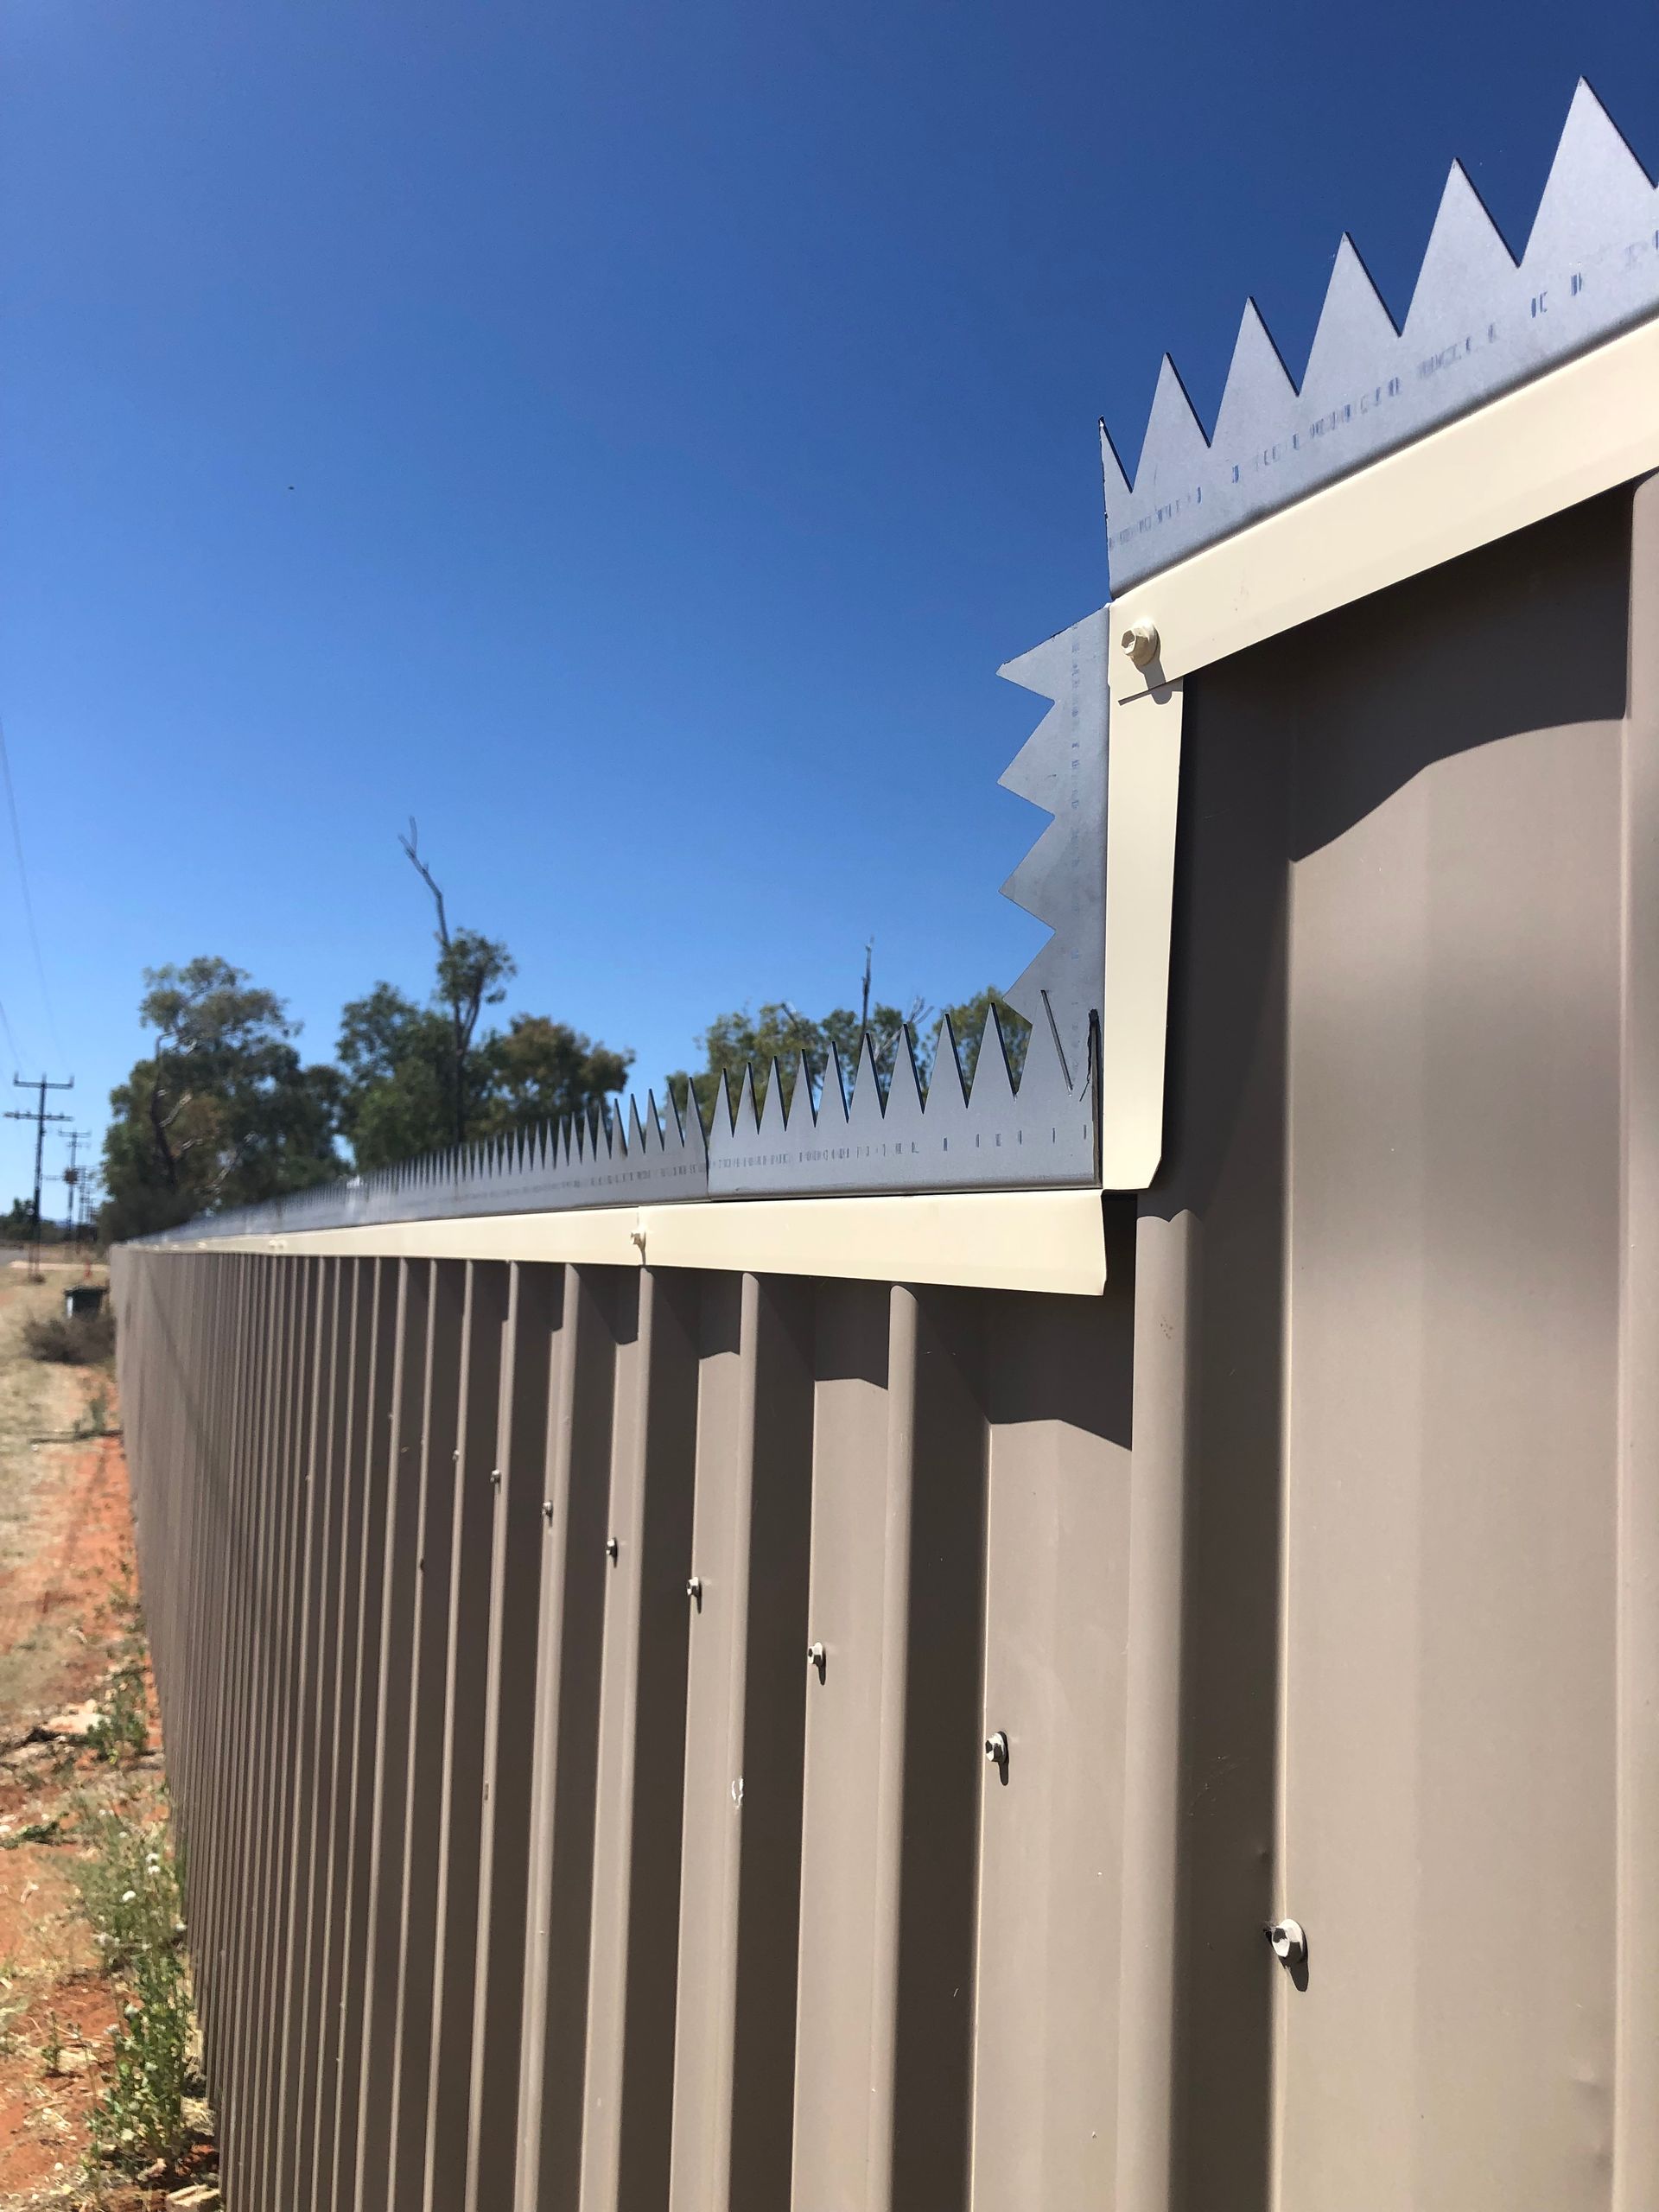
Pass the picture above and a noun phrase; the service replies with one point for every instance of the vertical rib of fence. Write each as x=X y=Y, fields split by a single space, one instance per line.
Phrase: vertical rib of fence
x=393 y=1722
x=528 y=1370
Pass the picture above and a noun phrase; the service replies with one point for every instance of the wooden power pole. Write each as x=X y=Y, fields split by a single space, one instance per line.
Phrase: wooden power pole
x=40 y=1117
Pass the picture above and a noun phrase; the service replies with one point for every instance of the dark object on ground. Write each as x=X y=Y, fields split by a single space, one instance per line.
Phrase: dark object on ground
x=83 y=1297
x=85 y=1341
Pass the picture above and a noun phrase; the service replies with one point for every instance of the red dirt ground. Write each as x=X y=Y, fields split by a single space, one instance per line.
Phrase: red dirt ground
x=65 y=1567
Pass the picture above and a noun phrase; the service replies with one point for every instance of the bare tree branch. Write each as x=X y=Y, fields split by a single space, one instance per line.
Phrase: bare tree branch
x=411 y=846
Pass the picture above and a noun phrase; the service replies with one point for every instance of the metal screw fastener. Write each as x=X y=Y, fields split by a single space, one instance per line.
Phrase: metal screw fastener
x=611 y=1548
x=694 y=1588
x=996 y=1749
x=547 y=1511
x=1289 y=1943
x=495 y=1478
x=1141 y=642
x=818 y=1657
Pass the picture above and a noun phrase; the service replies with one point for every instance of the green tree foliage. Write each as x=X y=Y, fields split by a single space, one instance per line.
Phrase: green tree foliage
x=539 y=1070
x=397 y=1072
x=780 y=1031
x=417 y=1078
x=398 y=1067
x=223 y=1112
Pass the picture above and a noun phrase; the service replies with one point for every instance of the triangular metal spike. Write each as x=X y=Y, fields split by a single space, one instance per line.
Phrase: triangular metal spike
x=948 y=1116
x=802 y=1114
x=722 y=1112
x=772 y=1111
x=904 y=1110
x=1465 y=263
x=832 y=1102
x=1114 y=482
x=693 y=1134
x=864 y=1116
x=1063 y=769
x=1258 y=387
x=1597 y=191
x=1355 y=332
x=745 y=1116
x=1174 y=447
x=1036 y=769
x=945 y=1086
x=993 y=1077
x=1038 y=883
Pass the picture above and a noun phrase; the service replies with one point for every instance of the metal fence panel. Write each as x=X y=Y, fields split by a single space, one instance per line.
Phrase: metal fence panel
x=579 y=1679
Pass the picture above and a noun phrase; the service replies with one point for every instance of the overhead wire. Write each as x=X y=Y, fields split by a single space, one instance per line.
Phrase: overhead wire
x=28 y=903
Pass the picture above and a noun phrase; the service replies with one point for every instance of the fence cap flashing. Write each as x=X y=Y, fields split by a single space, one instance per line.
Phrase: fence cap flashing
x=1050 y=1241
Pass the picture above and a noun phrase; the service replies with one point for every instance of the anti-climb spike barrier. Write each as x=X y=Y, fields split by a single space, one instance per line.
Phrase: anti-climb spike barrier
x=1042 y=1134
x=1479 y=324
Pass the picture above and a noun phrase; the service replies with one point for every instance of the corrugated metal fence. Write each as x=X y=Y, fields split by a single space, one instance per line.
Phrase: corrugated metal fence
x=577 y=1684
x=578 y=1677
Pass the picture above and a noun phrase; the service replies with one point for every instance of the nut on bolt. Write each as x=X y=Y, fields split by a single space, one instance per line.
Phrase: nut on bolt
x=1141 y=643
x=996 y=1749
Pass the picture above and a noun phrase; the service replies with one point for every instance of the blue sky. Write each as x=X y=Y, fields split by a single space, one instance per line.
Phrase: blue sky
x=627 y=437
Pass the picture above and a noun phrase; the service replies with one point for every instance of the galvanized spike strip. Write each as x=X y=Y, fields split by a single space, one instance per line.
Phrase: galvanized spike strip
x=1479 y=324
x=1062 y=880
x=1041 y=1134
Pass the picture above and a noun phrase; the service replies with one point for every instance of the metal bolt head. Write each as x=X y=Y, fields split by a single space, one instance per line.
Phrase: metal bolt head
x=818 y=1657
x=495 y=1478
x=996 y=1748
x=547 y=1511
x=1141 y=643
x=612 y=1549
x=1288 y=1941
x=694 y=1588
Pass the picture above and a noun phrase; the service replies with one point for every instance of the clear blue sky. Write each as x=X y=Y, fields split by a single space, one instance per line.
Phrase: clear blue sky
x=627 y=437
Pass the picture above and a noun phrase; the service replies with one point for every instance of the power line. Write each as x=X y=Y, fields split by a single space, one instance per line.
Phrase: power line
x=28 y=903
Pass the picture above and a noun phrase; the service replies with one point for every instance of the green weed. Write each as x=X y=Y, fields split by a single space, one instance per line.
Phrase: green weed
x=140 y=2116
x=124 y=1720
x=130 y=1892
x=129 y=1888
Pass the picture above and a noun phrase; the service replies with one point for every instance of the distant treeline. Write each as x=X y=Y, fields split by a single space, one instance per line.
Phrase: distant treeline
x=224 y=1111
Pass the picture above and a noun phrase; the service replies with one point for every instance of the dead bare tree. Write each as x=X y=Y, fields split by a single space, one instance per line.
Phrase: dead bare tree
x=473 y=972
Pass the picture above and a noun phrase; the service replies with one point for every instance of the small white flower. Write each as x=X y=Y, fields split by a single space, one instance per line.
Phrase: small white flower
x=129 y=1897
